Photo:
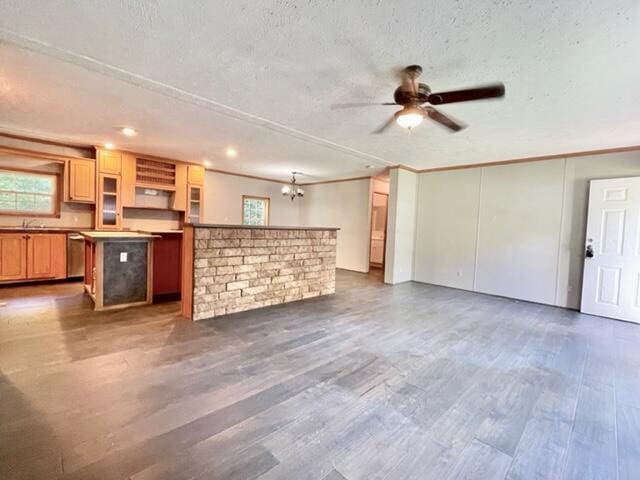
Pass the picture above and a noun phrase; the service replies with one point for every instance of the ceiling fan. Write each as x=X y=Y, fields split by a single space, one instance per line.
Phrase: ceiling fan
x=413 y=97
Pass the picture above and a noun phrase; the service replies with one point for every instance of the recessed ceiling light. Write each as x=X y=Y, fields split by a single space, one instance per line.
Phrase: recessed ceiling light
x=206 y=163
x=129 y=132
x=109 y=146
x=231 y=152
x=370 y=166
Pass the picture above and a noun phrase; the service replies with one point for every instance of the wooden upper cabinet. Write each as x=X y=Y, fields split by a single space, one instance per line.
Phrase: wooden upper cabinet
x=195 y=202
x=128 y=187
x=196 y=175
x=109 y=203
x=81 y=181
x=109 y=161
x=13 y=256
x=179 y=201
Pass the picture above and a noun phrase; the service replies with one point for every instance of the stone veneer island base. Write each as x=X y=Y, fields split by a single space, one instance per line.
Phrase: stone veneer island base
x=228 y=269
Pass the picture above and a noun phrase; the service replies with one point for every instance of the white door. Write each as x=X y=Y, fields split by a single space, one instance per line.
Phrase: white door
x=611 y=282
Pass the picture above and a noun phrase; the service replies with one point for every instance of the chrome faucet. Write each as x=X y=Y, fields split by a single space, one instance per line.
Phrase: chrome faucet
x=27 y=223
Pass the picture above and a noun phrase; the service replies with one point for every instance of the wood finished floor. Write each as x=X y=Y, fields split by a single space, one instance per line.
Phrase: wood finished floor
x=404 y=382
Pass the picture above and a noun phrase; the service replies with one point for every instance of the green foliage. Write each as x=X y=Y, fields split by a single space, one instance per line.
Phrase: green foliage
x=254 y=211
x=26 y=192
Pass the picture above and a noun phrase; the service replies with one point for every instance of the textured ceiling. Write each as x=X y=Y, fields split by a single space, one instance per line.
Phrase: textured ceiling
x=196 y=77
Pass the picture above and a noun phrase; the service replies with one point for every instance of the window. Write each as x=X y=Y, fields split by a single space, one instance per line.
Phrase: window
x=28 y=193
x=255 y=210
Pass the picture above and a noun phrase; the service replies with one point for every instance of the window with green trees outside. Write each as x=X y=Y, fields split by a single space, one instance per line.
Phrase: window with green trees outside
x=28 y=193
x=255 y=210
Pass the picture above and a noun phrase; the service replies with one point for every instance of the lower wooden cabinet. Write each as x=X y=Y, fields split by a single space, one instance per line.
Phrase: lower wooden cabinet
x=46 y=256
x=13 y=256
x=33 y=256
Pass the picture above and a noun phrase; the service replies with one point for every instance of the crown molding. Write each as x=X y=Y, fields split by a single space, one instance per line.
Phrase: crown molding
x=555 y=156
x=339 y=180
x=23 y=152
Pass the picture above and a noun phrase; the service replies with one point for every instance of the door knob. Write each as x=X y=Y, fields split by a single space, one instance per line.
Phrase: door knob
x=589 y=252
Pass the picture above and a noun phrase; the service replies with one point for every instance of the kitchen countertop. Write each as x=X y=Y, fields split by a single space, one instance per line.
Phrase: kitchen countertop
x=127 y=233
x=260 y=227
x=38 y=230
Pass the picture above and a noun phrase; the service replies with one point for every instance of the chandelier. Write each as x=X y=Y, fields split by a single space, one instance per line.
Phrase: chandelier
x=292 y=190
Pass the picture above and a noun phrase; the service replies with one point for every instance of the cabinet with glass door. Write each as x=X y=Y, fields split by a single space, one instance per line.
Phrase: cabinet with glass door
x=109 y=207
x=194 y=204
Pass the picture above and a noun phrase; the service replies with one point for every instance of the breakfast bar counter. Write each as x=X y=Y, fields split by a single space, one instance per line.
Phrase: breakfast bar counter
x=233 y=268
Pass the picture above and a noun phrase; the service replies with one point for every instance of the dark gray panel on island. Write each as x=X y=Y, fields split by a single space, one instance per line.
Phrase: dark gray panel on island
x=125 y=282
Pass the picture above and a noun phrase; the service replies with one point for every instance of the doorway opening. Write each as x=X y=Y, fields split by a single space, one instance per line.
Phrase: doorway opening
x=379 y=211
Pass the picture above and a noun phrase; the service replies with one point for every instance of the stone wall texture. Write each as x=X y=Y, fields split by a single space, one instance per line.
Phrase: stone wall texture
x=245 y=268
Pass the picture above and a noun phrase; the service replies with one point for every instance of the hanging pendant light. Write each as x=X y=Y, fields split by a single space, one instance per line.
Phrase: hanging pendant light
x=292 y=190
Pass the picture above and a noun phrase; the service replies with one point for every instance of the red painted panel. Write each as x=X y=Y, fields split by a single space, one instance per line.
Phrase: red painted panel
x=167 y=254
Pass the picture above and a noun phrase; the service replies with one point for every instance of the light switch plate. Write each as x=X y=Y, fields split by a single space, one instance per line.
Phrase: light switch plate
x=123 y=256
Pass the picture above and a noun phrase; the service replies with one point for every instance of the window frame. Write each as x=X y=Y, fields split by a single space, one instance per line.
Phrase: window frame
x=56 y=196
x=268 y=209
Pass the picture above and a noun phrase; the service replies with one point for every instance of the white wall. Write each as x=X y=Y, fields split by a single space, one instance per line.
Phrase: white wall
x=519 y=230
x=346 y=205
x=450 y=229
x=513 y=230
x=223 y=199
x=401 y=226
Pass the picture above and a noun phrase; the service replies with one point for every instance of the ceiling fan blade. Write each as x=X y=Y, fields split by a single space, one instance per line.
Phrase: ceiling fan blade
x=338 y=106
x=479 y=93
x=443 y=119
x=385 y=125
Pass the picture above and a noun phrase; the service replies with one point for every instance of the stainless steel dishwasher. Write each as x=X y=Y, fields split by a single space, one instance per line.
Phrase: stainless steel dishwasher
x=75 y=255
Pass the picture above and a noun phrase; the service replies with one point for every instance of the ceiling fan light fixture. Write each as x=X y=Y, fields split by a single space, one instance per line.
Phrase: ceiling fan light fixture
x=129 y=131
x=409 y=117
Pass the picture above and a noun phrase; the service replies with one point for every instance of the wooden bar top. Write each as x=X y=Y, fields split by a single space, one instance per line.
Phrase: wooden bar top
x=115 y=235
x=260 y=227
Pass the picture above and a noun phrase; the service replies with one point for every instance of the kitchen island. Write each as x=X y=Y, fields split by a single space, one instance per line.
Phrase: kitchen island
x=233 y=268
x=118 y=268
